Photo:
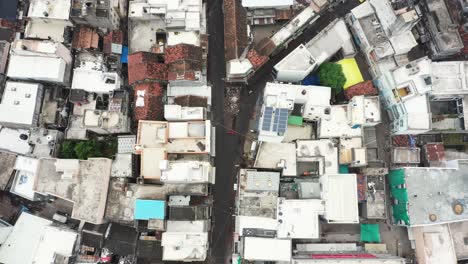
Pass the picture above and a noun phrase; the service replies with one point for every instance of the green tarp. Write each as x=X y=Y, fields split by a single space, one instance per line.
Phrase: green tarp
x=396 y=177
x=344 y=169
x=370 y=233
x=400 y=194
x=399 y=210
x=400 y=213
x=295 y=120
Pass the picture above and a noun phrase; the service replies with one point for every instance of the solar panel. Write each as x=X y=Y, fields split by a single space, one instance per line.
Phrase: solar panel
x=267 y=116
x=276 y=121
x=283 y=120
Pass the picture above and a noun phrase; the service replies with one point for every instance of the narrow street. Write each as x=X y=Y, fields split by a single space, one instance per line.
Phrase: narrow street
x=229 y=147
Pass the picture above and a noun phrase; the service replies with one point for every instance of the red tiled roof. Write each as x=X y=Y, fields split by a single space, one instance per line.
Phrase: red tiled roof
x=256 y=59
x=184 y=70
x=235 y=29
x=150 y=107
x=143 y=66
x=363 y=88
x=113 y=37
x=85 y=38
x=188 y=76
x=191 y=100
x=182 y=52
x=361 y=187
x=284 y=14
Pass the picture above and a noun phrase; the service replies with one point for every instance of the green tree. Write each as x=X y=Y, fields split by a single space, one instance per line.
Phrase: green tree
x=67 y=150
x=331 y=75
x=87 y=149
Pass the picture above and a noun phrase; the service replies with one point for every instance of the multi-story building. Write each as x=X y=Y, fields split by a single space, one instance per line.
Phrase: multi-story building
x=383 y=34
x=153 y=25
x=100 y=105
x=439 y=30
x=308 y=57
x=25 y=100
x=96 y=13
x=49 y=20
x=423 y=95
x=44 y=61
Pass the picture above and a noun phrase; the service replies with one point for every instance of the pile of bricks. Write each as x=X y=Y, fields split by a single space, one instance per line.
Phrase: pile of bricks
x=402 y=140
x=256 y=59
x=363 y=88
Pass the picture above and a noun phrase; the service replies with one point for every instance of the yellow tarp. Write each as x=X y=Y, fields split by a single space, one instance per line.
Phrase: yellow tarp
x=351 y=71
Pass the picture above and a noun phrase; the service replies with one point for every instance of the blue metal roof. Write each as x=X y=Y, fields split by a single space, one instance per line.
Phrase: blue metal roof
x=149 y=209
x=124 y=55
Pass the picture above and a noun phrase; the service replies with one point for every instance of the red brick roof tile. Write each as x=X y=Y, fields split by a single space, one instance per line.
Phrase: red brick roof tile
x=148 y=104
x=188 y=76
x=235 y=29
x=144 y=66
x=85 y=38
x=284 y=14
x=184 y=70
x=113 y=37
x=182 y=52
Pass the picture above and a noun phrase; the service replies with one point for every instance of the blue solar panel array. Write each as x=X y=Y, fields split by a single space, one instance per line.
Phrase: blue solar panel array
x=283 y=121
x=280 y=120
x=267 y=116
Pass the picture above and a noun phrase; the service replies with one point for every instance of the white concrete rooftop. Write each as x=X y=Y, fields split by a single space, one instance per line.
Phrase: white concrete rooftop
x=277 y=156
x=338 y=125
x=39 y=60
x=183 y=113
x=185 y=241
x=10 y=140
x=83 y=182
x=267 y=249
x=22 y=99
x=267 y=3
x=50 y=9
x=299 y=219
x=175 y=137
x=186 y=172
x=26 y=174
x=36 y=240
